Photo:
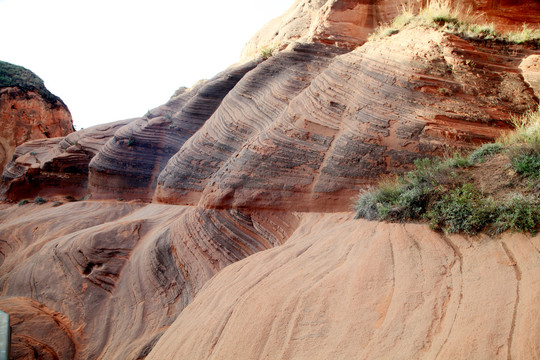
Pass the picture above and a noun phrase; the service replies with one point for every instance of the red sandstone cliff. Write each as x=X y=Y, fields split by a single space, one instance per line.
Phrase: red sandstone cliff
x=27 y=111
x=265 y=157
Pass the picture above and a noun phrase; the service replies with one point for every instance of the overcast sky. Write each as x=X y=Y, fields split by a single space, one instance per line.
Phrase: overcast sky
x=115 y=59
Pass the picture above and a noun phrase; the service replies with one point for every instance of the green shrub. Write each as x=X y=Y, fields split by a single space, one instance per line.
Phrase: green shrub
x=18 y=76
x=39 y=200
x=525 y=35
x=452 y=17
x=484 y=152
x=519 y=212
x=268 y=51
x=463 y=209
x=22 y=202
x=526 y=130
x=366 y=206
x=456 y=161
x=527 y=163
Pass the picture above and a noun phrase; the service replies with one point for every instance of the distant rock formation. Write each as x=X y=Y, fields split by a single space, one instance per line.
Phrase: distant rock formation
x=28 y=111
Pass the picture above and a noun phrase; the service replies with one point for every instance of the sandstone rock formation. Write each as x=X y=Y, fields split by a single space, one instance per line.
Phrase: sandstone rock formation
x=55 y=167
x=370 y=112
x=118 y=274
x=348 y=23
x=129 y=163
x=343 y=289
x=234 y=242
x=27 y=111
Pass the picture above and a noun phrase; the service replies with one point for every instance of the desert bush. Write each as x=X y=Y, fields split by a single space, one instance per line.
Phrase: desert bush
x=39 y=200
x=463 y=209
x=518 y=212
x=455 y=18
x=484 y=152
x=526 y=130
x=526 y=162
x=23 y=202
x=525 y=35
x=435 y=190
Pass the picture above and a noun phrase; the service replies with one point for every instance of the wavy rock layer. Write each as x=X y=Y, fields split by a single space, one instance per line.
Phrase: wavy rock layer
x=24 y=116
x=348 y=23
x=117 y=274
x=251 y=107
x=344 y=289
x=129 y=163
x=55 y=167
x=370 y=112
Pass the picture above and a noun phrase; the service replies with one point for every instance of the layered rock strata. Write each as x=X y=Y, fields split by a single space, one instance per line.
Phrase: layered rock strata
x=348 y=23
x=251 y=108
x=117 y=274
x=55 y=167
x=371 y=112
x=130 y=162
x=303 y=130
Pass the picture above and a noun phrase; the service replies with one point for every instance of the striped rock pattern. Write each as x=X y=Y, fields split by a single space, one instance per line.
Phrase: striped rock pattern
x=129 y=163
x=118 y=274
x=26 y=115
x=57 y=166
x=371 y=112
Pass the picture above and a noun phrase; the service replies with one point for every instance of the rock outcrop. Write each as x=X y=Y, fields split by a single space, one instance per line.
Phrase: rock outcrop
x=371 y=112
x=236 y=190
x=56 y=167
x=344 y=289
x=118 y=274
x=28 y=111
x=348 y=23
x=129 y=163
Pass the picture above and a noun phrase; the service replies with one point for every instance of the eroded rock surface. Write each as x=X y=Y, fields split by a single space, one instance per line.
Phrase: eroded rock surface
x=344 y=289
x=118 y=274
x=129 y=163
x=348 y=23
x=371 y=112
x=229 y=162
x=24 y=116
x=55 y=167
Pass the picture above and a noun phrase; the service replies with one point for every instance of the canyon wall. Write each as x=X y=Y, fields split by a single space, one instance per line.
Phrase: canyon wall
x=219 y=224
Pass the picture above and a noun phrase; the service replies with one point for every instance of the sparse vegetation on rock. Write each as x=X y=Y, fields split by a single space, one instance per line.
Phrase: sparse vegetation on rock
x=450 y=194
x=39 y=200
x=456 y=19
x=18 y=76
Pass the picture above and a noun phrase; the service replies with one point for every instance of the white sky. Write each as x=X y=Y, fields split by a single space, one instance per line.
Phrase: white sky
x=115 y=59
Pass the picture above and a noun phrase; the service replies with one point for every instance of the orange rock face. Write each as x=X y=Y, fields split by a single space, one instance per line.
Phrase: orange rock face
x=371 y=112
x=348 y=23
x=55 y=167
x=118 y=274
x=27 y=116
x=344 y=289
x=234 y=242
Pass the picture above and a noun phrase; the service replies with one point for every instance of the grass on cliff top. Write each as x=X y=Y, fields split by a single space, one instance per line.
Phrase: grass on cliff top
x=455 y=19
x=17 y=76
x=494 y=188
